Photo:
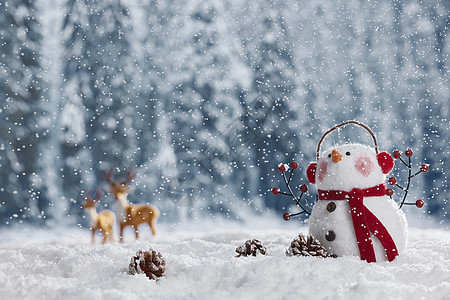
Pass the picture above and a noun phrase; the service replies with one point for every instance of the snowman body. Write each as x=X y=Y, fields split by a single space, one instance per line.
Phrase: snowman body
x=345 y=168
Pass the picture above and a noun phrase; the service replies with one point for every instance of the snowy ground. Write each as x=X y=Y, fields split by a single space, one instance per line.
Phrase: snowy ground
x=202 y=265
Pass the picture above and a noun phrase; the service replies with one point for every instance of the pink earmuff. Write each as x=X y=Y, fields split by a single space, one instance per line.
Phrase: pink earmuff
x=385 y=161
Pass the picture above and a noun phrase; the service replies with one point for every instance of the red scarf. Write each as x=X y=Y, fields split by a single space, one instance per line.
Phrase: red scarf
x=364 y=221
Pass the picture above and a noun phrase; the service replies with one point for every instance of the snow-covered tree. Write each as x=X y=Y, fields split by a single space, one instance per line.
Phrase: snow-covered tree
x=206 y=98
x=98 y=113
x=20 y=92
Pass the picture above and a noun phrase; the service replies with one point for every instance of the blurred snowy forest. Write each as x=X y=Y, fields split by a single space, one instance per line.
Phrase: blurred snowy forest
x=206 y=97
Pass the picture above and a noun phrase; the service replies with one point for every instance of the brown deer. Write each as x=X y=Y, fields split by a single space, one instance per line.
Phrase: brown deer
x=131 y=214
x=102 y=221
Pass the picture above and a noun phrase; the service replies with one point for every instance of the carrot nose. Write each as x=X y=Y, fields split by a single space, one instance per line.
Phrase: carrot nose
x=336 y=156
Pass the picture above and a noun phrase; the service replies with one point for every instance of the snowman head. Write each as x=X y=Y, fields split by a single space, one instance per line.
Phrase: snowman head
x=349 y=166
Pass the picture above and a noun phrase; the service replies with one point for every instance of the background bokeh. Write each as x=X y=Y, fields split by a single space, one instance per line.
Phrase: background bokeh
x=205 y=98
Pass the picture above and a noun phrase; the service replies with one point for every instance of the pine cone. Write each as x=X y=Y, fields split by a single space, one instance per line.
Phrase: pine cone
x=251 y=247
x=150 y=263
x=308 y=246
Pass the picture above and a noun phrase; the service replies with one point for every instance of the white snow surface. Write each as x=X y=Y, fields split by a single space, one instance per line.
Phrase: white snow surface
x=37 y=264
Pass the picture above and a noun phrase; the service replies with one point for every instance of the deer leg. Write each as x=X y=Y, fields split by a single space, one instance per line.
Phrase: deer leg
x=93 y=235
x=136 y=230
x=110 y=233
x=152 y=224
x=104 y=235
x=121 y=233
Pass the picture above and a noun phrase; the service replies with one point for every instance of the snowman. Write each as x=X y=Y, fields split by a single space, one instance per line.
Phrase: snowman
x=353 y=214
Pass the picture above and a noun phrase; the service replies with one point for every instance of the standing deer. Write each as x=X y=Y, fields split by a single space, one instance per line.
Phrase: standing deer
x=131 y=214
x=102 y=221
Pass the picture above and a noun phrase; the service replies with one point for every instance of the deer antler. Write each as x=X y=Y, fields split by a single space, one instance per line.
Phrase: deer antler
x=99 y=194
x=130 y=175
x=97 y=197
x=108 y=177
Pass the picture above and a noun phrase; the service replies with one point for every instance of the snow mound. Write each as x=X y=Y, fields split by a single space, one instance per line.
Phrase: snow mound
x=203 y=265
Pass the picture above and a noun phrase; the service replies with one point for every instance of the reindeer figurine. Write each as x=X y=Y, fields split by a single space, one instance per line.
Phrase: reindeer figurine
x=131 y=214
x=102 y=221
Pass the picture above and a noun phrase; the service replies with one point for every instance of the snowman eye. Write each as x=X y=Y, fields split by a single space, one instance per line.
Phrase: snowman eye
x=329 y=155
x=347 y=153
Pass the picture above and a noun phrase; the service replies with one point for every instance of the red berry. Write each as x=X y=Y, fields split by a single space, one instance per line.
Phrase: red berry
x=286 y=216
x=275 y=191
x=303 y=188
x=294 y=165
x=419 y=203
x=392 y=180
x=281 y=168
x=424 y=168
x=396 y=154
x=389 y=192
x=408 y=152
